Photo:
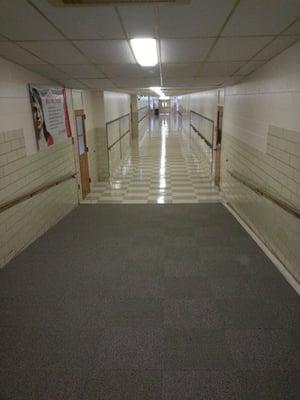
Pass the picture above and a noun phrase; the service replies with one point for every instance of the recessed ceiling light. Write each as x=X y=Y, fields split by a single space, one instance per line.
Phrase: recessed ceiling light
x=145 y=51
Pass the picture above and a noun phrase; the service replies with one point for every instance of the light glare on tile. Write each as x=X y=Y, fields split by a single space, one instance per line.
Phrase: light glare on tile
x=145 y=51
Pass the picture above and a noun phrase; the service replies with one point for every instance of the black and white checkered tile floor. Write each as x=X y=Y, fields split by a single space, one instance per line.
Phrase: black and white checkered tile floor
x=166 y=166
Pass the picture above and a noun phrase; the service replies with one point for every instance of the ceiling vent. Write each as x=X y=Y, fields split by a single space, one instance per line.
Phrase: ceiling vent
x=71 y=3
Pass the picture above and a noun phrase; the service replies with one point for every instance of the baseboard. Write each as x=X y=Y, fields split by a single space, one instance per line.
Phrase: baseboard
x=278 y=264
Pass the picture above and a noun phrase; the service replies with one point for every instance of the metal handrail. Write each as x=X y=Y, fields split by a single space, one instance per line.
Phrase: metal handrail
x=262 y=192
x=146 y=115
x=117 y=119
x=202 y=137
x=139 y=109
x=203 y=116
x=120 y=138
x=207 y=142
x=26 y=196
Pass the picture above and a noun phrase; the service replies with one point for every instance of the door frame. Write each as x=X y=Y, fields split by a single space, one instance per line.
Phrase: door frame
x=219 y=129
x=83 y=183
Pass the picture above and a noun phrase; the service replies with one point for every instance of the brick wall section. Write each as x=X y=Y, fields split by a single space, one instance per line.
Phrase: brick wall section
x=277 y=171
x=19 y=174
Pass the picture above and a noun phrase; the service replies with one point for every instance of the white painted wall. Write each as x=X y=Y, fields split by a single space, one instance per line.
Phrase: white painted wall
x=116 y=105
x=268 y=97
x=15 y=108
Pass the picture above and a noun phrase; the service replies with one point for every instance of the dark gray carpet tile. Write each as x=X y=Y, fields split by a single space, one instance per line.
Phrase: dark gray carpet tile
x=188 y=253
x=252 y=286
x=123 y=384
x=130 y=313
x=58 y=383
x=130 y=348
x=271 y=384
x=16 y=384
x=196 y=349
x=43 y=383
x=63 y=346
x=15 y=350
x=257 y=313
x=123 y=287
x=187 y=287
x=142 y=288
x=192 y=313
x=265 y=349
x=203 y=384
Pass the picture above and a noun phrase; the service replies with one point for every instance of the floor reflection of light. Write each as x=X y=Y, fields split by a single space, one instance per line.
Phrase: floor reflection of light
x=162 y=169
x=161 y=199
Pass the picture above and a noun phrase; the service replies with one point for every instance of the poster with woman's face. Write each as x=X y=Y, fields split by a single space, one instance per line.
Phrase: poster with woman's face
x=50 y=115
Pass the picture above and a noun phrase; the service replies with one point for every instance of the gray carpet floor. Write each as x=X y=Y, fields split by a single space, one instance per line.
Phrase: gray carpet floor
x=147 y=302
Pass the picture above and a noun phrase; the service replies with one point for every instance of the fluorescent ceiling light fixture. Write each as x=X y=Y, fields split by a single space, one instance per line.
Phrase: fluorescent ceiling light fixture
x=145 y=51
x=157 y=90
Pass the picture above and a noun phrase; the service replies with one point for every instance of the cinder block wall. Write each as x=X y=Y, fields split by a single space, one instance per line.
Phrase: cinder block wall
x=261 y=142
x=23 y=170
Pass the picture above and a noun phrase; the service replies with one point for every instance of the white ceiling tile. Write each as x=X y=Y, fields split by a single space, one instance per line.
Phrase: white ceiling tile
x=138 y=20
x=181 y=69
x=73 y=84
x=84 y=22
x=99 y=83
x=48 y=70
x=55 y=52
x=209 y=81
x=262 y=17
x=185 y=50
x=237 y=49
x=249 y=67
x=20 y=21
x=82 y=71
x=274 y=48
x=219 y=68
x=178 y=82
x=16 y=54
x=233 y=80
x=128 y=71
x=137 y=83
x=200 y=18
x=107 y=51
x=294 y=29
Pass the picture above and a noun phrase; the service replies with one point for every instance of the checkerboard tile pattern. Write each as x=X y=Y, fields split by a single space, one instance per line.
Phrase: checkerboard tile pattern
x=167 y=166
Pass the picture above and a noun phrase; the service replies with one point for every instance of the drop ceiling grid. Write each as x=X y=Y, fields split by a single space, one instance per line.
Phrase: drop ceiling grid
x=74 y=36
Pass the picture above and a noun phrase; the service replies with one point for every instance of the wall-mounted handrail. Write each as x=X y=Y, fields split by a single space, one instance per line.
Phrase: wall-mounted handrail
x=120 y=138
x=203 y=116
x=207 y=142
x=142 y=108
x=117 y=119
x=141 y=119
x=202 y=137
x=29 y=195
x=262 y=192
x=144 y=116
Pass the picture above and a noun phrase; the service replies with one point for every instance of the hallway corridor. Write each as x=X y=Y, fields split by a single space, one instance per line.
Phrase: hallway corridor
x=165 y=166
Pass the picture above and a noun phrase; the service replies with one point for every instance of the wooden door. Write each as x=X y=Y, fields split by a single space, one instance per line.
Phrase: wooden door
x=218 y=146
x=83 y=152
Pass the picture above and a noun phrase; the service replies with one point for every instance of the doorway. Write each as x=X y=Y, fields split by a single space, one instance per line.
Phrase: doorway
x=83 y=152
x=218 y=146
x=164 y=106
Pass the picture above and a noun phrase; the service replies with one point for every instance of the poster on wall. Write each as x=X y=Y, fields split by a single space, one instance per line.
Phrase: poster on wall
x=50 y=115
